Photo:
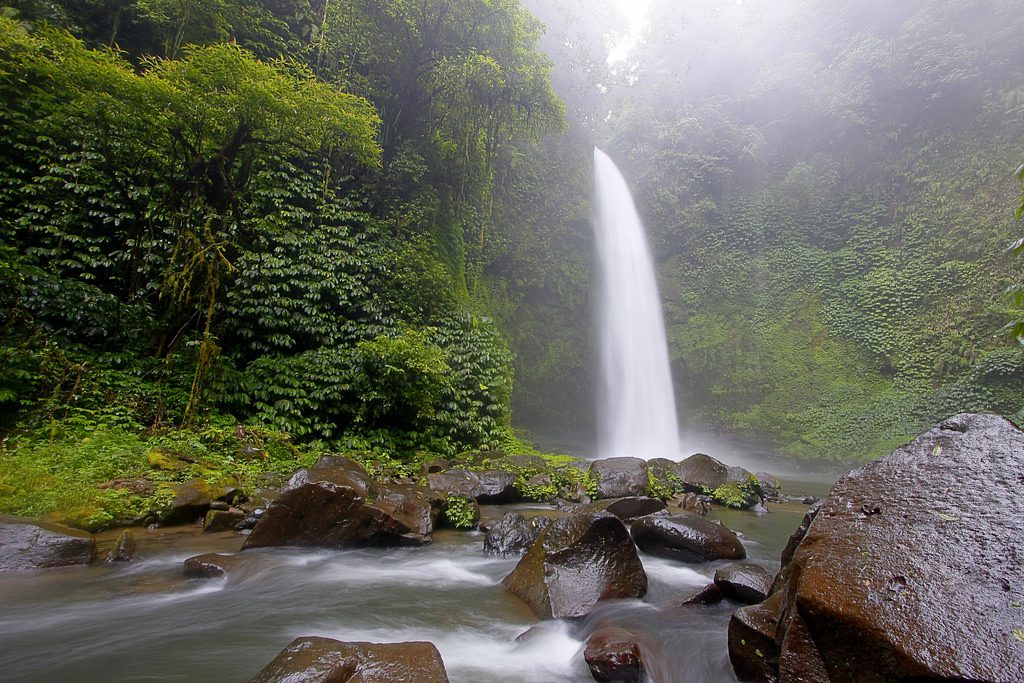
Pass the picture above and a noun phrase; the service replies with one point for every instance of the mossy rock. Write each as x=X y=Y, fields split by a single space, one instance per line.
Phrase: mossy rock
x=169 y=460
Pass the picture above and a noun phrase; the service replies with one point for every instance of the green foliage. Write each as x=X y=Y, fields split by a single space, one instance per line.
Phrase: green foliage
x=737 y=494
x=460 y=512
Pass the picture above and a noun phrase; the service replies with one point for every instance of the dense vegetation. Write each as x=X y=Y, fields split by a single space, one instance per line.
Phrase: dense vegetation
x=259 y=231
x=230 y=225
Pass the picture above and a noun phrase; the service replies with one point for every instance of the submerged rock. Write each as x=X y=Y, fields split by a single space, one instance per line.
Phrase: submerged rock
x=576 y=562
x=223 y=520
x=28 y=544
x=614 y=655
x=620 y=477
x=209 y=565
x=687 y=538
x=910 y=569
x=513 y=534
x=312 y=659
x=744 y=582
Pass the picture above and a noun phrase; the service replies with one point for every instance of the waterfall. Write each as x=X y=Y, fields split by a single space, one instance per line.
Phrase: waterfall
x=636 y=409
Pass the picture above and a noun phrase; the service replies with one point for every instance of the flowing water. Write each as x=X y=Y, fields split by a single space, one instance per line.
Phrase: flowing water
x=636 y=409
x=145 y=622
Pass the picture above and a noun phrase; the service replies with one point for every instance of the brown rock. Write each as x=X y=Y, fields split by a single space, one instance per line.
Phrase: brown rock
x=325 y=514
x=752 y=647
x=700 y=472
x=575 y=562
x=513 y=534
x=614 y=655
x=223 y=520
x=686 y=538
x=312 y=659
x=209 y=565
x=744 y=582
x=629 y=508
x=909 y=570
x=489 y=487
x=708 y=595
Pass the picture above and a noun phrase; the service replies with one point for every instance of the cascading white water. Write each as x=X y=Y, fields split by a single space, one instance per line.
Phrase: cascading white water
x=637 y=409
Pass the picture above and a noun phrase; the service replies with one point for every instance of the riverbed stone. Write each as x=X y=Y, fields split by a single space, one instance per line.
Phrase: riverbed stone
x=687 y=538
x=708 y=595
x=744 y=582
x=700 y=473
x=513 y=534
x=771 y=487
x=313 y=659
x=124 y=547
x=337 y=470
x=910 y=569
x=326 y=514
x=223 y=520
x=27 y=544
x=620 y=477
x=209 y=565
x=487 y=487
x=574 y=563
x=752 y=647
x=613 y=654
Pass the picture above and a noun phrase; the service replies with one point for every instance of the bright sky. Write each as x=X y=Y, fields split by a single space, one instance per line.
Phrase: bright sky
x=635 y=11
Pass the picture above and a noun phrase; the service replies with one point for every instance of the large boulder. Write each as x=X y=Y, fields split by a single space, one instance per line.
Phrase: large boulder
x=336 y=470
x=620 y=477
x=575 y=562
x=326 y=514
x=700 y=473
x=910 y=569
x=28 y=544
x=513 y=534
x=686 y=538
x=628 y=509
x=312 y=659
x=488 y=487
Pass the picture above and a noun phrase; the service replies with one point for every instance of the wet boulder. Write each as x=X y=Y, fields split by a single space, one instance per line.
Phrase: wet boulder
x=326 y=514
x=28 y=544
x=513 y=534
x=708 y=595
x=613 y=655
x=620 y=477
x=630 y=508
x=771 y=487
x=223 y=520
x=574 y=563
x=336 y=470
x=700 y=473
x=909 y=569
x=744 y=582
x=752 y=647
x=489 y=487
x=687 y=538
x=694 y=503
x=209 y=565
x=313 y=659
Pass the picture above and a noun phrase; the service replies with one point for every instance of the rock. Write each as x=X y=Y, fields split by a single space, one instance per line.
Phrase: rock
x=744 y=582
x=686 y=538
x=628 y=509
x=417 y=507
x=620 y=477
x=708 y=595
x=663 y=479
x=27 y=544
x=435 y=466
x=209 y=565
x=810 y=500
x=575 y=562
x=614 y=655
x=752 y=647
x=336 y=470
x=910 y=569
x=490 y=487
x=701 y=473
x=191 y=501
x=124 y=548
x=694 y=503
x=771 y=487
x=312 y=659
x=513 y=534
x=223 y=520
x=325 y=514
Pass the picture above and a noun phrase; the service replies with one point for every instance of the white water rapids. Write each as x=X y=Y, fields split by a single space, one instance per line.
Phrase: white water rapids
x=636 y=409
